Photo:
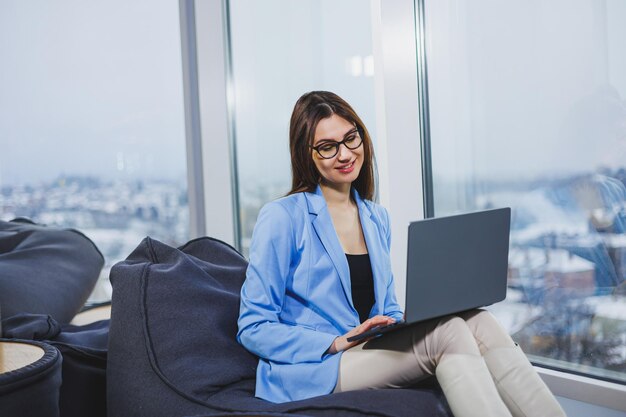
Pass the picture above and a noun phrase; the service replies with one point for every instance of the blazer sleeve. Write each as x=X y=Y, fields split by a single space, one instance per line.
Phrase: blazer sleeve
x=391 y=308
x=272 y=251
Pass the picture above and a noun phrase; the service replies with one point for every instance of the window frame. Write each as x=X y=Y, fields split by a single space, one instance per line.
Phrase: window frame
x=562 y=383
x=208 y=120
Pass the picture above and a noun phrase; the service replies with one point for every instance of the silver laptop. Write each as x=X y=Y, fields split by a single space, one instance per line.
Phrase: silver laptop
x=454 y=263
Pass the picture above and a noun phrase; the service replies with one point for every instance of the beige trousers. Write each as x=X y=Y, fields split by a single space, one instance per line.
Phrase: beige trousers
x=406 y=356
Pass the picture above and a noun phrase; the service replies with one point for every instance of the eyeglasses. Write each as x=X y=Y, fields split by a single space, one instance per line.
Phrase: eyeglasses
x=329 y=149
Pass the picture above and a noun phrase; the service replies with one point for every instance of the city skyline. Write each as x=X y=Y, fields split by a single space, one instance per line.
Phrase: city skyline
x=553 y=276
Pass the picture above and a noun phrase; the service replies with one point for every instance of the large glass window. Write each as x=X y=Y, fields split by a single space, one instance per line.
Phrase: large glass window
x=280 y=50
x=527 y=106
x=91 y=121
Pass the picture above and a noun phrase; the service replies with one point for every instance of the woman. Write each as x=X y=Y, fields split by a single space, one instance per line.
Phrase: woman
x=320 y=272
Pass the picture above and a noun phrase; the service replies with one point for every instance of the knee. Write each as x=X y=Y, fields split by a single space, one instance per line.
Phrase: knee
x=454 y=336
x=452 y=324
x=480 y=318
x=483 y=319
x=487 y=330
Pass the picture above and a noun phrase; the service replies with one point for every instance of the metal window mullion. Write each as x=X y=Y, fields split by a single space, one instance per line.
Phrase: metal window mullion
x=210 y=153
x=424 y=109
x=230 y=104
x=193 y=133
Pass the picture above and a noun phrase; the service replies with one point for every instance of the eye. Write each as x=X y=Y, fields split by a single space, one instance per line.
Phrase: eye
x=350 y=139
x=327 y=147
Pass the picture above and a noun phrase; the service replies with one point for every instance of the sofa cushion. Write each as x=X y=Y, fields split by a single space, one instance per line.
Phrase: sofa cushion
x=190 y=309
x=44 y=270
x=197 y=289
x=84 y=349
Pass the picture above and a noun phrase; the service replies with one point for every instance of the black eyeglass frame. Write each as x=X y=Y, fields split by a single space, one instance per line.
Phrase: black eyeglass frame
x=335 y=144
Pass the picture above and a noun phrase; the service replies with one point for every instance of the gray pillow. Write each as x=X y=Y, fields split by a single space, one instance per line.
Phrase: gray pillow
x=44 y=270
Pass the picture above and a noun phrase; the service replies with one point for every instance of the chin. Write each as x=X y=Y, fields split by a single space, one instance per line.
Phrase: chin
x=348 y=179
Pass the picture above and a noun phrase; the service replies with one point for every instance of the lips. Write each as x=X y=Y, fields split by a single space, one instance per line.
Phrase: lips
x=347 y=168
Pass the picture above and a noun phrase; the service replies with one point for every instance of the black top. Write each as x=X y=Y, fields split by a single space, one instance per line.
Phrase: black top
x=362 y=282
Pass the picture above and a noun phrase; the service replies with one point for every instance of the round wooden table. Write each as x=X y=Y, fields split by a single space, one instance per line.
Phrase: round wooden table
x=30 y=378
x=15 y=355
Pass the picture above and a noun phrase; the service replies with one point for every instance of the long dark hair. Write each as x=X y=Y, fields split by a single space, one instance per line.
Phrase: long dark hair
x=307 y=113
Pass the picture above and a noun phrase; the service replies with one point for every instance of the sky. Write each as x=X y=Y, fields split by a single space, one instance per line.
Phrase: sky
x=524 y=90
x=95 y=88
x=90 y=88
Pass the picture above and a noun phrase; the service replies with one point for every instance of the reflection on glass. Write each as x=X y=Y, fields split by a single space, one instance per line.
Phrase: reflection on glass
x=535 y=119
x=280 y=50
x=92 y=122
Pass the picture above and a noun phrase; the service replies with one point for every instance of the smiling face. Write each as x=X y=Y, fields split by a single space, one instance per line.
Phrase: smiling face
x=342 y=170
x=323 y=116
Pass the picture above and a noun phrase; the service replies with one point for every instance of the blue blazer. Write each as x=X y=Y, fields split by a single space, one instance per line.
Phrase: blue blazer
x=297 y=299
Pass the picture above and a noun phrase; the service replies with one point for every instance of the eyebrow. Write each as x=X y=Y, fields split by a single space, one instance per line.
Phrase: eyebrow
x=348 y=133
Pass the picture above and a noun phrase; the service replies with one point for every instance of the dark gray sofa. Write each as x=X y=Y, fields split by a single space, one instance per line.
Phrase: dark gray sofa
x=46 y=275
x=173 y=352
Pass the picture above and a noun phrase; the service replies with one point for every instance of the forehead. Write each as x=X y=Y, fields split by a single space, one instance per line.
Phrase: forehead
x=333 y=128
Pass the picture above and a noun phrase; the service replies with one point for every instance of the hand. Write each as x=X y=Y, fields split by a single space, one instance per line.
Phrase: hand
x=341 y=343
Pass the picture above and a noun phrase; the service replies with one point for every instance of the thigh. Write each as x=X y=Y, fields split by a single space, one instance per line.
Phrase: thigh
x=385 y=362
x=404 y=357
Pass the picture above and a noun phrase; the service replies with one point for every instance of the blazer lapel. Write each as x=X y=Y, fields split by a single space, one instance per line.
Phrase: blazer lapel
x=375 y=247
x=323 y=225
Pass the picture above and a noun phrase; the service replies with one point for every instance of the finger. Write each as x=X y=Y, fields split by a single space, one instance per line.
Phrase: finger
x=367 y=325
x=378 y=320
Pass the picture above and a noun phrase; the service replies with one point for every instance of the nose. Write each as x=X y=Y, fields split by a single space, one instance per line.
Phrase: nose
x=344 y=154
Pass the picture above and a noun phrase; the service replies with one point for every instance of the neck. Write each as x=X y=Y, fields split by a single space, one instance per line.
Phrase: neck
x=337 y=196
